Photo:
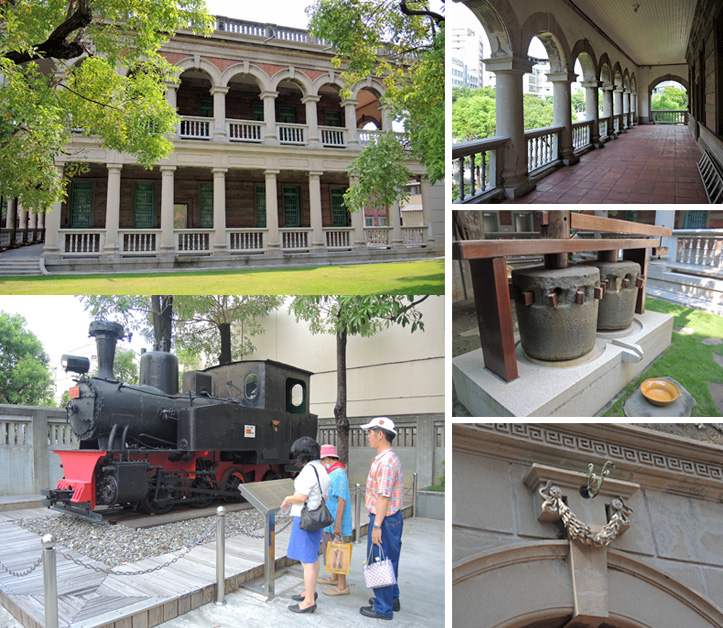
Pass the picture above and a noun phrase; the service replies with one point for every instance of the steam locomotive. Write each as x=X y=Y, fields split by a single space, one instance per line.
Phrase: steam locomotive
x=154 y=446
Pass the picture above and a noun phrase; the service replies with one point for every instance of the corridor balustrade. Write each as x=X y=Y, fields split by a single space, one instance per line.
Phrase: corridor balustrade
x=378 y=236
x=295 y=239
x=247 y=239
x=292 y=133
x=338 y=237
x=193 y=240
x=697 y=247
x=333 y=136
x=542 y=146
x=193 y=128
x=603 y=128
x=581 y=132
x=81 y=241
x=139 y=241
x=670 y=117
x=475 y=166
x=245 y=130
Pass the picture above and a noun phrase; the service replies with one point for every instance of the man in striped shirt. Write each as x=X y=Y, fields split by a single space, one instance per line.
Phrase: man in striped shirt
x=384 y=496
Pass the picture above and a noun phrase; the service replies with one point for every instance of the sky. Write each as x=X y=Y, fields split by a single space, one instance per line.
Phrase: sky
x=279 y=12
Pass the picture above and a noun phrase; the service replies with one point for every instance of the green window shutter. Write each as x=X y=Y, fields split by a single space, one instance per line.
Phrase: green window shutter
x=260 y=205
x=81 y=204
x=206 y=108
x=333 y=118
x=206 y=221
x=144 y=205
x=292 y=213
x=259 y=112
x=338 y=211
x=287 y=114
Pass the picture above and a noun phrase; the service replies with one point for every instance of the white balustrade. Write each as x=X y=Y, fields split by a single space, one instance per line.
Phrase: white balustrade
x=542 y=146
x=414 y=235
x=76 y=241
x=670 y=117
x=699 y=247
x=195 y=128
x=475 y=166
x=193 y=240
x=137 y=241
x=581 y=134
x=338 y=237
x=295 y=239
x=333 y=136
x=245 y=130
x=378 y=236
x=15 y=432
x=603 y=127
x=292 y=133
x=247 y=239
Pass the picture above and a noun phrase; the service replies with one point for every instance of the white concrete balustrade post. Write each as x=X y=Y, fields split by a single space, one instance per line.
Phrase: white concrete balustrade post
x=591 y=110
x=219 y=113
x=349 y=105
x=167 y=183
x=112 y=209
x=272 y=210
x=269 y=99
x=312 y=120
x=562 y=115
x=317 y=234
x=509 y=118
x=219 y=209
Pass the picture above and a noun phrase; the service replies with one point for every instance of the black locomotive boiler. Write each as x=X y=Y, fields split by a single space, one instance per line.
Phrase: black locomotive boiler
x=155 y=446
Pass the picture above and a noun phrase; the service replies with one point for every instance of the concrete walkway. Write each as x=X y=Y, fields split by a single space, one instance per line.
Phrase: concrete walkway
x=421 y=584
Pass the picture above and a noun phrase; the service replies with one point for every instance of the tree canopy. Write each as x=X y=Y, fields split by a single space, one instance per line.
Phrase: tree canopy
x=672 y=99
x=411 y=66
x=83 y=67
x=24 y=375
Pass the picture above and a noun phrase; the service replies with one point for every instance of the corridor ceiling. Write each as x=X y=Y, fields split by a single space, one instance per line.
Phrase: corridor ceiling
x=657 y=34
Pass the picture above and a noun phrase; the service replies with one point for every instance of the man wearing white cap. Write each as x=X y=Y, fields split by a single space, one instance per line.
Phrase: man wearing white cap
x=384 y=496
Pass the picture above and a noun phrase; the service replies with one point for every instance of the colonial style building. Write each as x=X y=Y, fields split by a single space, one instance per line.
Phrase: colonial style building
x=258 y=171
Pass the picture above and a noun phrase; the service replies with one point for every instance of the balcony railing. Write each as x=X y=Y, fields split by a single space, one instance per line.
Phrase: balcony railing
x=139 y=241
x=367 y=136
x=475 y=167
x=603 y=127
x=698 y=247
x=414 y=235
x=253 y=240
x=245 y=130
x=670 y=117
x=81 y=241
x=193 y=240
x=195 y=128
x=296 y=239
x=617 y=122
x=339 y=237
x=10 y=238
x=333 y=136
x=581 y=134
x=542 y=147
x=378 y=236
x=292 y=134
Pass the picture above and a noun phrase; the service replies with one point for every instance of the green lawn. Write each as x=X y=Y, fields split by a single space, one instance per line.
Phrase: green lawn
x=687 y=360
x=417 y=277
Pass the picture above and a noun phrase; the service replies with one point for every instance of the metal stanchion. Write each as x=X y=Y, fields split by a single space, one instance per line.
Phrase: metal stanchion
x=357 y=513
x=50 y=583
x=415 y=485
x=220 y=554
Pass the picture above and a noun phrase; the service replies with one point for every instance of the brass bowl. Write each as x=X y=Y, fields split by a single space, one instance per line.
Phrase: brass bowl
x=659 y=392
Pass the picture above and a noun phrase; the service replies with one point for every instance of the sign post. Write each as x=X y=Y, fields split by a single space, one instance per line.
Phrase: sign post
x=266 y=497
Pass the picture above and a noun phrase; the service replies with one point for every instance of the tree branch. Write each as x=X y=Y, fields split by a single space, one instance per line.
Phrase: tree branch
x=438 y=18
x=56 y=45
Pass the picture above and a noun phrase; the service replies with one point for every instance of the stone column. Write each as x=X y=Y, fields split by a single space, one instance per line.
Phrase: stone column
x=32 y=219
x=219 y=114
x=395 y=221
x=386 y=117
x=626 y=109
x=112 y=209
x=357 y=221
x=591 y=110
x=317 y=235
x=219 y=209
x=41 y=220
x=172 y=100
x=12 y=215
x=52 y=226
x=427 y=209
x=509 y=73
x=23 y=217
x=312 y=120
x=168 y=245
x=269 y=99
x=618 y=105
x=562 y=115
x=272 y=211
x=352 y=135
x=608 y=108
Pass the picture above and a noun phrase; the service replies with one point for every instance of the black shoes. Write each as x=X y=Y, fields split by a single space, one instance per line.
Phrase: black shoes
x=300 y=598
x=395 y=607
x=295 y=608
x=368 y=611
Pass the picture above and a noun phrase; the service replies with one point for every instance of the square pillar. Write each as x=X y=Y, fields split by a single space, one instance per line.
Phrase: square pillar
x=562 y=115
x=112 y=210
x=269 y=99
x=219 y=209
x=312 y=120
x=219 y=113
x=272 y=210
x=168 y=245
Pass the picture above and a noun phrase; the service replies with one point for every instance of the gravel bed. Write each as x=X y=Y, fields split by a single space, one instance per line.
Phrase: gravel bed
x=118 y=544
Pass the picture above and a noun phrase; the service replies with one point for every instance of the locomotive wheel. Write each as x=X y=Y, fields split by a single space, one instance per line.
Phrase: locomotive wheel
x=271 y=475
x=201 y=500
x=155 y=506
x=230 y=481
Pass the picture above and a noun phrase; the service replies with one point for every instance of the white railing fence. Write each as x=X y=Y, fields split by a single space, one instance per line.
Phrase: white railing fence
x=81 y=241
x=698 y=247
x=475 y=167
x=245 y=130
x=542 y=147
x=670 y=117
x=195 y=128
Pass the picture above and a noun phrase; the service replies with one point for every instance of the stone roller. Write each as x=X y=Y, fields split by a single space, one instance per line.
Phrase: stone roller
x=621 y=281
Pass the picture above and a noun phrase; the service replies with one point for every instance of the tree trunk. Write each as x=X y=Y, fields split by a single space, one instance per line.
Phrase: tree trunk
x=342 y=422
x=162 y=321
x=225 y=330
x=469 y=223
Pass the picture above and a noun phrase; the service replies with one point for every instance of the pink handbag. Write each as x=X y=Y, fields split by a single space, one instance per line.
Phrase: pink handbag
x=379 y=572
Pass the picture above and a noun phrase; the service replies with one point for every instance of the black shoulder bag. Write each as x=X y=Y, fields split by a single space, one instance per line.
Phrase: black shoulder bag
x=318 y=518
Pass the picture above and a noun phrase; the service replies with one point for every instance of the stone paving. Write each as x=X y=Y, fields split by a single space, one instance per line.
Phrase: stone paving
x=648 y=164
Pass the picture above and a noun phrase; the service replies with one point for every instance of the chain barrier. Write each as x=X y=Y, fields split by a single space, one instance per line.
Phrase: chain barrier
x=262 y=537
x=21 y=574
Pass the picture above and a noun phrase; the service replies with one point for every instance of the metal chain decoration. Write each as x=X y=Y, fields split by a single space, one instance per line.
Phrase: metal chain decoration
x=21 y=574
x=578 y=530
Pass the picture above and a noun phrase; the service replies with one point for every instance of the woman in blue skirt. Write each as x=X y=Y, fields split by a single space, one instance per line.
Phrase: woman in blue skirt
x=311 y=485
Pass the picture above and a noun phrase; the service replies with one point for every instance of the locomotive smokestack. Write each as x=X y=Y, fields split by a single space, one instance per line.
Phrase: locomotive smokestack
x=106 y=336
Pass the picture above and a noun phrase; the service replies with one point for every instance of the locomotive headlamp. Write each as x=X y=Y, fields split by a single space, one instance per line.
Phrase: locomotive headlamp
x=75 y=363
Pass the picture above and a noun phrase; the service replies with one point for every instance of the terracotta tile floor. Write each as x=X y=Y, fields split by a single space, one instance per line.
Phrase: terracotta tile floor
x=648 y=164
